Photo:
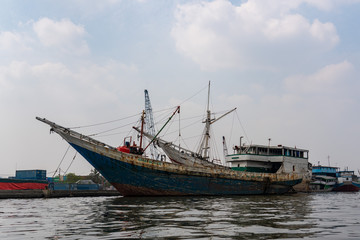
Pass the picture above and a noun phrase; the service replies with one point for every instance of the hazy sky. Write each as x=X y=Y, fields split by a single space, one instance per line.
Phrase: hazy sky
x=290 y=67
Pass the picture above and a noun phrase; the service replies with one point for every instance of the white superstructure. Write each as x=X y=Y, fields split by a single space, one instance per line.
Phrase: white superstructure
x=274 y=159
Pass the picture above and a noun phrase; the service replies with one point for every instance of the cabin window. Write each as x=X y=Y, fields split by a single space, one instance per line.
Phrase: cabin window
x=238 y=165
x=293 y=168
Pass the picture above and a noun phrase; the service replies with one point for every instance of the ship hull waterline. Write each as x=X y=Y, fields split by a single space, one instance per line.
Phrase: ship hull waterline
x=347 y=187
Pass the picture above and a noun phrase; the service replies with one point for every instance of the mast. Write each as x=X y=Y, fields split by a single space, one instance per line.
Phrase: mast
x=204 y=145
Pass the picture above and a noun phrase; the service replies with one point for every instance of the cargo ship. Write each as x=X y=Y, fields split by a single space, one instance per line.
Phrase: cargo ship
x=347 y=181
x=133 y=174
x=323 y=178
x=188 y=173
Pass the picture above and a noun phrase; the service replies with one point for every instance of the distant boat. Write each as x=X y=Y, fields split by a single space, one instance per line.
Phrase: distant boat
x=323 y=178
x=347 y=181
x=327 y=178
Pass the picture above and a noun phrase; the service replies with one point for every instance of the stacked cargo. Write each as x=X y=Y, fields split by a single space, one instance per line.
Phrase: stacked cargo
x=31 y=174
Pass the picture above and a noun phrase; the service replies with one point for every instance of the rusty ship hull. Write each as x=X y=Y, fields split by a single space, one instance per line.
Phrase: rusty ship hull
x=136 y=175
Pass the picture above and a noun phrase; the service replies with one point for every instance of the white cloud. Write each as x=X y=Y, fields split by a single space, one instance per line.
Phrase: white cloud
x=324 y=32
x=61 y=86
x=218 y=34
x=62 y=34
x=292 y=27
x=325 y=5
x=13 y=41
x=327 y=79
x=288 y=26
x=258 y=88
x=236 y=100
x=62 y=93
x=328 y=5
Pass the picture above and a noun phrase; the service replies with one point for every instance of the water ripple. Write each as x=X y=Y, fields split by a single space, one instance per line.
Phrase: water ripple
x=295 y=216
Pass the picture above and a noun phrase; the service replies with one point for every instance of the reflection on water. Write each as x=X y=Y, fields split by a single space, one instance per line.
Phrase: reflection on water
x=327 y=215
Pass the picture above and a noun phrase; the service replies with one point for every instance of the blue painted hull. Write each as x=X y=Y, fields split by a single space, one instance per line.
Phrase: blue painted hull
x=143 y=180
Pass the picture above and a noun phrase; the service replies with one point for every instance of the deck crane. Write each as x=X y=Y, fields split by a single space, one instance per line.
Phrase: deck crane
x=149 y=124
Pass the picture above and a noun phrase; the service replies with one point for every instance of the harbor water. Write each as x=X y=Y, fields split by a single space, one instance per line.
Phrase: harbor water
x=291 y=216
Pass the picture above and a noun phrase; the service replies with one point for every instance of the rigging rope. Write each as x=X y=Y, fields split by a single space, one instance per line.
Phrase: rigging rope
x=109 y=130
x=167 y=129
x=179 y=130
x=187 y=147
x=61 y=160
x=242 y=127
x=165 y=116
x=162 y=110
x=112 y=134
x=193 y=95
x=189 y=125
x=97 y=124
x=120 y=119
x=232 y=127
x=71 y=163
x=196 y=136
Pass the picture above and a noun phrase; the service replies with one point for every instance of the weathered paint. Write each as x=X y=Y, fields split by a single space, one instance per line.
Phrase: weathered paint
x=132 y=179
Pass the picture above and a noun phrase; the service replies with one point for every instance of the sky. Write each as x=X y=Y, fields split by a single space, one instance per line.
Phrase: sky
x=291 y=68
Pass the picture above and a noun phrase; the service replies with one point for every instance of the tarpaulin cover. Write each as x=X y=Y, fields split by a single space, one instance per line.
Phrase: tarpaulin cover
x=22 y=185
